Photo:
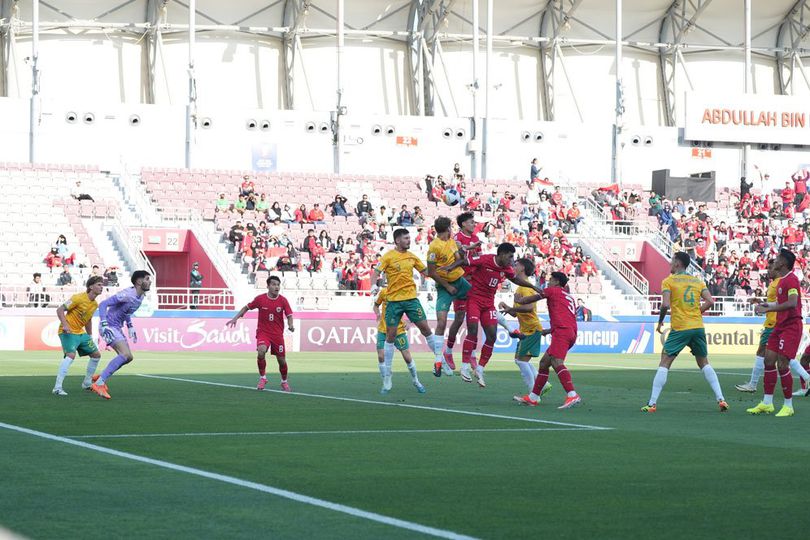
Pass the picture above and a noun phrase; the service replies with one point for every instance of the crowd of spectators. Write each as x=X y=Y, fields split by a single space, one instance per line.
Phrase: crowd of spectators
x=62 y=259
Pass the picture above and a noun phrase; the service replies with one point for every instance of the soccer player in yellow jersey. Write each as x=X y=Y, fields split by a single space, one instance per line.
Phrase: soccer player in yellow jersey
x=401 y=344
x=450 y=286
x=683 y=293
x=398 y=265
x=75 y=333
x=530 y=328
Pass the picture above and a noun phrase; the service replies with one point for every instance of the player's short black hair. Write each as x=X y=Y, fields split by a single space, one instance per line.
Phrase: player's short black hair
x=789 y=258
x=93 y=280
x=527 y=264
x=464 y=216
x=442 y=224
x=683 y=258
x=505 y=248
x=400 y=232
x=561 y=278
x=138 y=274
x=273 y=278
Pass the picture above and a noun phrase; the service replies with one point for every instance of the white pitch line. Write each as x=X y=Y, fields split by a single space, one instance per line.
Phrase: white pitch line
x=697 y=371
x=326 y=432
x=291 y=495
x=385 y=403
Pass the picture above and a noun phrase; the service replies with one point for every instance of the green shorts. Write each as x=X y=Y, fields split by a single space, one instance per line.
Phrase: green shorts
x=530 y=345
x=444 y=299
x=412 y=308
x=763 y=338
x=81 y=343
x=401 y=341
x=695 y=338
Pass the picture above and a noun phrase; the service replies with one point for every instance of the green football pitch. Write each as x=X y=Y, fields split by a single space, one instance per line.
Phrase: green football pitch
x=187 y=448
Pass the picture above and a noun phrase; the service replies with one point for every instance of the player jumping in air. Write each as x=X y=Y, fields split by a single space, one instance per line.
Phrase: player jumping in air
x=76 y=332
x=398 y=265
x=563 y=320
x=114 y=312
x=684 y=293
x=273 y=309
x=767 y=329
x=784 y=341
x=450 y=286
x=487 y=272
x=401 y=344
x=469 y=247
x=529 y=325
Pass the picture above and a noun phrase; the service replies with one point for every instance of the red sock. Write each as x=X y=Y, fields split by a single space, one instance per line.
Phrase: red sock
x=787 y=383
x=466 y=350
x=769 y=381
x=540 y=381
x=486 y=354
x=262 y=363
x=565 y=378
x=451 y=342
x=282 y=368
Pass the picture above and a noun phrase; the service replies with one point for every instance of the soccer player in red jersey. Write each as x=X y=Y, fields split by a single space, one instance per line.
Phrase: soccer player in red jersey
x=486 y=273
x=784 y=341
x=469 y=245
x=562 y=314
x=273 y=308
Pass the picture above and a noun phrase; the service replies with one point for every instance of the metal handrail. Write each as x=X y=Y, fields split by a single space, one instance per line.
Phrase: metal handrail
x=51 y=296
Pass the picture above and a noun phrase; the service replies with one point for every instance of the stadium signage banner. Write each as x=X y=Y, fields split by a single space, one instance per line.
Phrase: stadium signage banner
x=747 y=118
x=723 y=338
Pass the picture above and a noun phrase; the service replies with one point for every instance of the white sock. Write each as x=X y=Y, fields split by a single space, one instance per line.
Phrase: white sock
x=533 y=396
x=526 y=372
x=797 y=368
x=659 y=381
x=412 y=370
x=789 y=402
x=388 y=355
x=502 y=320
x=436 y=344
x=92 y=365
x=767 y=399
x=758 y=370
x=479 y=369
x=62 y=373
x=714 y=382
x=264 y=377
x=383 y=370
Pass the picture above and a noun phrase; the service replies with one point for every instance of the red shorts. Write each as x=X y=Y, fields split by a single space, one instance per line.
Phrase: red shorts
x=459 y=305
x=562 y=341
x=482 y=310
x=785 y=338
x=274 y=344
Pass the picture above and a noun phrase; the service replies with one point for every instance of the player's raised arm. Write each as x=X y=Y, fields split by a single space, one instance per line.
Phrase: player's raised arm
x=461 y=260
x=239 y=315
x=523 y=300
x=708 y=301
x=665 y=299
x=525 y=283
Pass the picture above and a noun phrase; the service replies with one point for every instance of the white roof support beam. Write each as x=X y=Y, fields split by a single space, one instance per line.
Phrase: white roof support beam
x=792 y=32
x=8 y=10
x=554 y=21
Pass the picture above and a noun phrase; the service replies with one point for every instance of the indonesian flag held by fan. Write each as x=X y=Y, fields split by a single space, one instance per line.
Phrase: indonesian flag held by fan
x=543 y=181
x=612 y=187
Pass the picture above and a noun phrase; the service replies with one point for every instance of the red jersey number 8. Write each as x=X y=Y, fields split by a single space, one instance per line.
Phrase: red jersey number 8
x=270 y=317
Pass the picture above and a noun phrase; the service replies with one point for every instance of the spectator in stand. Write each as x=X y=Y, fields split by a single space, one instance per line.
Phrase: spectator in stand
x=533 y=194
x=505 y=204
x=67 y=254
x=655 y=204
x=349 y=247
x=285 y=264
x=574 y=217
x=240 y=205
x=64 y=278
x=788 y=195
x=337 y=247
x=309 y=242
x=527 y=215
x=195 y=281
x=364 y=207
x=436 y=192
x=790 y=235
x=316 y=215
x=458 y=176
x=386 y=216
x=745 y=187
x=36 y=292
x=338 y=206
x=250 y=202
x=111 y=277
x=493 y=201
x=262 y=204
x=325 y=241
x=348 y=280
x=247 y=186
x=363 y=276
x=301 y=215
x=418 y=218
x=236 y=234
x=800 y=179
x=287 y=216
x=53 y=260
x=405 y=218
x=223 y=204
x=315 y=264
x=337 y=267
x=95 y=271
x=557 y=196
x=534 y=173
x=274 y=212
x=679 y=206
x=473 y=203
x=583 y=314
x=78 y=194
